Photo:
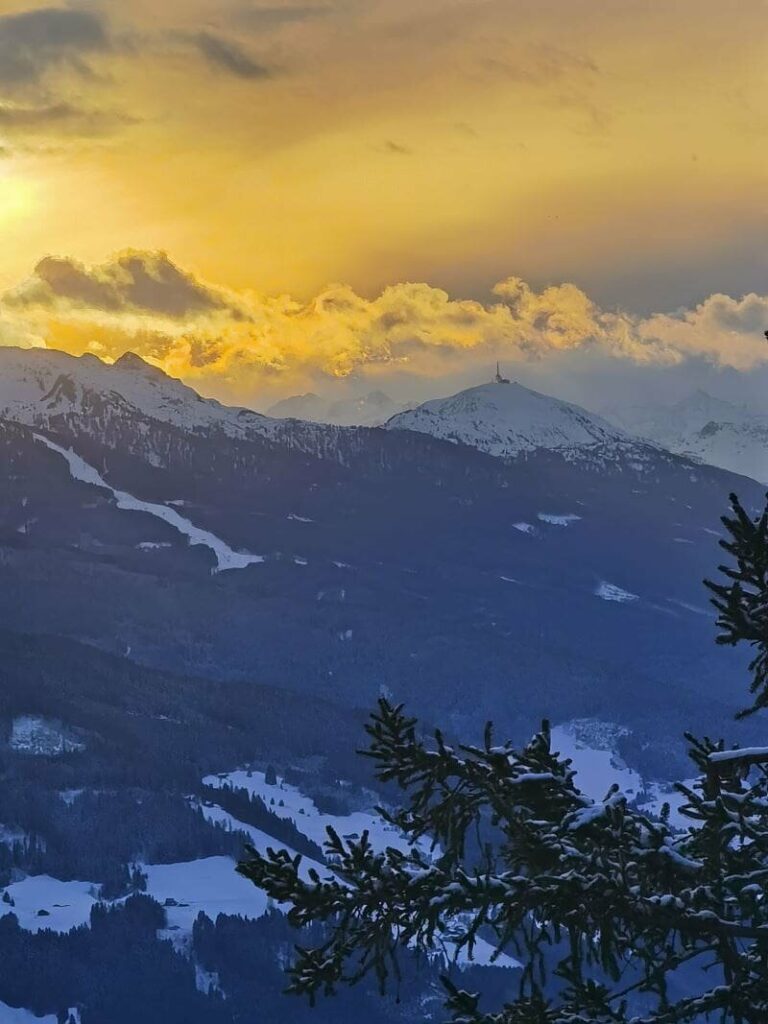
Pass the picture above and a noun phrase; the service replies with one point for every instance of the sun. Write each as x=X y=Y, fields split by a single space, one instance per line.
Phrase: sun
x=17 y=195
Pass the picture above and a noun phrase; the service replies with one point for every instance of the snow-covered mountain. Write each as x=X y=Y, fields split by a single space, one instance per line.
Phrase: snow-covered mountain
x=705 y=428
x=507 y=420
x=371 y=410
x=38 y=385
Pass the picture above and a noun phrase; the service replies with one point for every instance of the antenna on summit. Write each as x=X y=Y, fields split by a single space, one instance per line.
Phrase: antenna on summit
x=498 y=378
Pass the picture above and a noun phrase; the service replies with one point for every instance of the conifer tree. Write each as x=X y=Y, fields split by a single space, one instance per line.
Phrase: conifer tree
x=615 y=915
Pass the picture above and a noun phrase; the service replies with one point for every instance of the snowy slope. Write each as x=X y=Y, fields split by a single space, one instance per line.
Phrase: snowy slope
x=720 y=433
x=508 y=420
x=292 y=804
x=226 y=557
x=37 y=385
x=10 y=1015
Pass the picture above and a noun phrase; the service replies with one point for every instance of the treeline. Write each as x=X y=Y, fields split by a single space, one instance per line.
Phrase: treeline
x=252 y=810
x=248 y=957
x=96 y=837
x=116 y=970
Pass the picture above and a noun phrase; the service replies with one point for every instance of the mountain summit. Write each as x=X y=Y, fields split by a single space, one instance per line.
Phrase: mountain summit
x=506 y=419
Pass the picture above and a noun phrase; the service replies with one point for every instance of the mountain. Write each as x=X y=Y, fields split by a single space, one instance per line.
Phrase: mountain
x=707 y=429
x=196 y=599
x=508 y=420
x=197 y=539
x=371 y=410
x=40 y=385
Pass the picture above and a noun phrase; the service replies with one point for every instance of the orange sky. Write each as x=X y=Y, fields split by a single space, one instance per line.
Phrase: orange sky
x=275 y=147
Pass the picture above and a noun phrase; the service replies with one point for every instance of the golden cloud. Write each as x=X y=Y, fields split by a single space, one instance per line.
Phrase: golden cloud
x=239 y=345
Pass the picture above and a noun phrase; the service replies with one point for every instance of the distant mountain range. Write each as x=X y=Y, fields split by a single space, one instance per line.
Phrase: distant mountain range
x=706 y=428
x=371 y=410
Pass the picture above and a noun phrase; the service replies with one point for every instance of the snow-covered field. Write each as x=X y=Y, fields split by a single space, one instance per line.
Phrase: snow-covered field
x=308 y=819
x=41 y=902
x=10 y=1015
x=211 y=886
x=591 y=745
x=597 y=765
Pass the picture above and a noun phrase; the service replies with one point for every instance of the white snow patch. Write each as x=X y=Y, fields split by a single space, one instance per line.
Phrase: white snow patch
x=299 y=519
x=226 y=557
x=10 y=1015
x=66 y=905
x=610 y=592
x=152 y=545
x=482 y=956
x=658 y=794
x=596 y=764
x=260 y=841
x=210 y=885
x=565 y=520
x=42 y=737
x=301 y=810
x=70 y=795
x=9 y=835
x=524 y=527
x=509 y=579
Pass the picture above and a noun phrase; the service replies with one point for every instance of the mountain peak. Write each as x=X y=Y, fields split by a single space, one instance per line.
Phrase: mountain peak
x=133 y=363
x=36 y=385
x=507 y=419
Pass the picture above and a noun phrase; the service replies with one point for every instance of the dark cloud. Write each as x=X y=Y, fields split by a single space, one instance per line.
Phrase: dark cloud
x=272 y=16
x=397 y=148
x=59 y=119
x=31 y=42
x=228 y=56
x=542 y=65
x=138 y=281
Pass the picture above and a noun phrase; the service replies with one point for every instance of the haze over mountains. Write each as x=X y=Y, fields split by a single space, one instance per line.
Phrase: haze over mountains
x=509 y=421
x=707 y=428
x=370 y=410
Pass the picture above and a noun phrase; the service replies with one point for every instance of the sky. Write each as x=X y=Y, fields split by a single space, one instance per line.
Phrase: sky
x=271 y=197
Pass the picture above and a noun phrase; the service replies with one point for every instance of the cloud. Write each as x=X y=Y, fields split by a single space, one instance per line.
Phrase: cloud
x=390 y=146
x=133 y=282
x=539 y=65
x=57 y=119
x=724 y=329
x=239 y=345
x=32 y=42
x=268 y=16
x=224 y=55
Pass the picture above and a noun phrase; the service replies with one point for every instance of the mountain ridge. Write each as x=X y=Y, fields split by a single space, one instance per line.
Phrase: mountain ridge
x=706 y=429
